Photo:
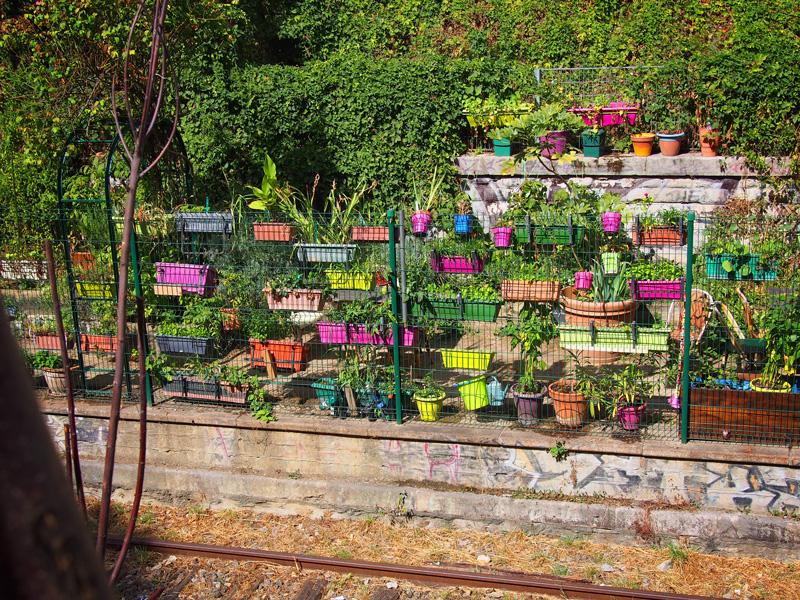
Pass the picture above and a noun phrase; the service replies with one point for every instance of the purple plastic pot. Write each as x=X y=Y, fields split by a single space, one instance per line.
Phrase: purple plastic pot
x=420 y=221
x=583 y=280
x=630 y=417
x=557 y=142
x=502 y=236
x=611 y=221
x=198 y=279
x=528 y=405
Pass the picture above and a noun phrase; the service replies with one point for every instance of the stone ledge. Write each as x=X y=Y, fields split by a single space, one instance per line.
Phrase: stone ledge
x=689 y=165
x=506 y=437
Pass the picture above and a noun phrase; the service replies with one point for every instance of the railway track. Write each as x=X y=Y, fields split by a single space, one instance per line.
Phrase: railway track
x=539 y=584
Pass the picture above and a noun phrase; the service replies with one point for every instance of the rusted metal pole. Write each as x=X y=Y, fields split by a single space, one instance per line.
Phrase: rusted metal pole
x=62 y=343
x=137 y=496
x=45 y=552
x=68 y=454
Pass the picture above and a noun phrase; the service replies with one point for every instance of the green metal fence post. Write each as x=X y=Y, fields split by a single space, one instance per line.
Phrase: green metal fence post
x=398 y=400
x=687 y=329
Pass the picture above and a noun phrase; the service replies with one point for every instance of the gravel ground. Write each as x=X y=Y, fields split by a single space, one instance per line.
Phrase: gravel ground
x=671 y=568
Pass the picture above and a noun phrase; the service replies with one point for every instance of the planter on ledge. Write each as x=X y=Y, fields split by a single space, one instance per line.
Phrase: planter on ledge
x=297 y=299
x=528 y=405
x=604 y=314
x=666 y=289
x=195 y=279
x=456 y=308
x=502 y=147
x=744 y=416
x=530 y=291
x=570 y=406
x=593 y=143
x=443 y=263
x=670 y=143
x=643 y=143
x=210 y=390
x=199 y=222
x=184 y=344
x=340 y=253
x=631 y=417
x=661 y=235
x=632 y=339
x=289 y=355
x=274 y=232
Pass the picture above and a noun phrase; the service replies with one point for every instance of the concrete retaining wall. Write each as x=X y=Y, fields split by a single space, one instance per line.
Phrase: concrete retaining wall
x=688 y=181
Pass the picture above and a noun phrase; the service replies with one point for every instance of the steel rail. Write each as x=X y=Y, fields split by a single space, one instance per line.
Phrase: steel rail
x=432 y=575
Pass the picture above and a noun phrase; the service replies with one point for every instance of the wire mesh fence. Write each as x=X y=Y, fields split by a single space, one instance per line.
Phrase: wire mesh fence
x=553 y=322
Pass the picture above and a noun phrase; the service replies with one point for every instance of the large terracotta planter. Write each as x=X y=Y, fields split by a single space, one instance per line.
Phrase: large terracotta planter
x=570 y=407
x=296 y=299
x=288 y=355
x=91 y=342
x=605 y=314
x=274 y=232
x=531 y=291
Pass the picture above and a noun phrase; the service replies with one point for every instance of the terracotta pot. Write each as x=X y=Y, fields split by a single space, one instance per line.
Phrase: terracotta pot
x=643 y=143
x=670 y=143
x=709 y=143
x=537 y=291
x=570 y=407
x=604 y=314
x=230 y=319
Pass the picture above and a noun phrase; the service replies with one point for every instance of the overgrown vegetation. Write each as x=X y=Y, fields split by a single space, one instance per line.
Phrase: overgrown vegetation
x=360 y=92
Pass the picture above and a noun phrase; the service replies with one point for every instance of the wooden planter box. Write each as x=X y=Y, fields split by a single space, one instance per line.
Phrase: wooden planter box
x=739 y=416
x=289 y=355
x=274 y=232
x=209 y=390
x=530 y=291
x=195 y=279
x=204 y=222
x=50 y=342
x=364 y=233
x=455 y=308
x=299 y=299
x=183 y=344
x=633 y=339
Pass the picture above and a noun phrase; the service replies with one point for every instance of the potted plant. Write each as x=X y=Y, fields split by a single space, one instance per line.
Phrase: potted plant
x=710 y=137
x=53 y=368
x=479 y=301
x=779 y=325
x=593 y=140
x=568 y=395
x=605 y=113
x=730 y=258
x=362 y=321
x=263 y=199
x=503 y=231
x=608 y=303
x=214 y=382
x=287 y=291
x=527 y=281
x=425 y=203
x=269 y=336
x=368 y=231
x=629 y=390
x=652 y=279
x=429 y=398
x=184 y=278
x=462 y=220
x=531 y=331
x=45 y=334
x=193 y=332
x=670 y=137
x=459 y=255
x=664 y=228
x=643 y=143
x=197 y=219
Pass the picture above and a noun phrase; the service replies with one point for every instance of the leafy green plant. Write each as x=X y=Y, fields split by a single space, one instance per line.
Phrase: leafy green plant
x=559 y=451
x=267 y=195
x=531 y=331
x=609 y=288
x=159 y=367
x=429 y=389
x=46 y=360
x=267 y=325
x=655 y=270
x=430 y=199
